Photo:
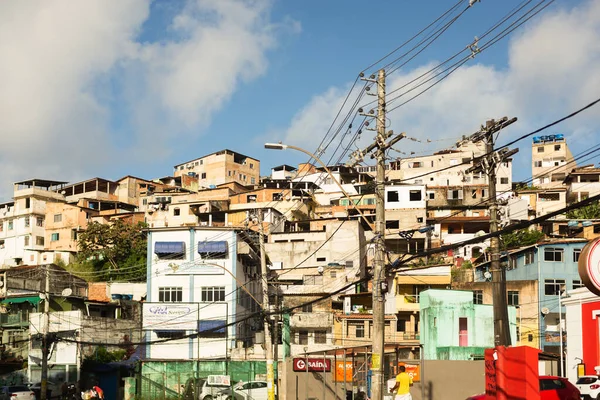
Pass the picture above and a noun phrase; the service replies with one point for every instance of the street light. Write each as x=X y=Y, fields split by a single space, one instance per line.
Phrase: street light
x=281 y=146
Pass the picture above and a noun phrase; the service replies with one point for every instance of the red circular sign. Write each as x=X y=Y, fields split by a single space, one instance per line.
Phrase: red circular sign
x=589 y=266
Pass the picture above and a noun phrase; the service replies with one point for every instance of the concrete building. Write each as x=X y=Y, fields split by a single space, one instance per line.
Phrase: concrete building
x=582 y=183
x=221 y=167
x=454 y=328
x=22 y=221
x=543 y=201
x=551 y=159
x=553 y=265
x=200 y=279
x=283 y=172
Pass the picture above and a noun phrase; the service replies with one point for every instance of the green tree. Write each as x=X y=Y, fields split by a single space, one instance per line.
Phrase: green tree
x=520 y=238
x=118 y=250
x=591 y=211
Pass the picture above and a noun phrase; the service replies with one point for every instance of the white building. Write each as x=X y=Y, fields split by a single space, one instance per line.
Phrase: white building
x=200 y=280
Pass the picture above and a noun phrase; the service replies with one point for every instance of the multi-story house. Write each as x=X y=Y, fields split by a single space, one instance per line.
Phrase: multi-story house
x=221 y=167
x=551 y=159
x=405 y=211
x=22 y=221
x=582 y=183
x=455 y=328
x=543 y=201
x=200 y=279
x=553 y=266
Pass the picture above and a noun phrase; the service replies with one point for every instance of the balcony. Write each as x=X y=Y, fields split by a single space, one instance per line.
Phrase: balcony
x=411 y=336
x=407 y=302
x=16 y=319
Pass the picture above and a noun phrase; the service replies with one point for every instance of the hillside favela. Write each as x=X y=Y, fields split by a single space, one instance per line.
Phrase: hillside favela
x=246 y=200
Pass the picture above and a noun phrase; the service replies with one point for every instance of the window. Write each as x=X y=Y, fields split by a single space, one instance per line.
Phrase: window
x=170 y=334
x=477 y=296
x=415 y=195
x=504 y=181
x=74 y=234
x=431 y=195
x=512 y=262
x=39 y=240
x=576 y=253
x=513 y=297
x=176 y=212
x=251 y=198
x=333 y=274
x=392 y=224
x=418 y=181
x=552 y=287
x=313 y=279
x=39 y=221
x=549 y=197
x=57 y=218
x=529 y=257
x=360 y=330
x=181 y=168
x=577 y=284
x=26 y=238
x=251 y=166
x=54 y=237
x=463 y=332
x=556 y=147
x=553 y=254
x=420 y=220
x=540 y=149
x=321 y=259
x=277 y=196
x=320 y=337
x=170 y=294
x=27 y=203
x=455 y=194
x=213 y=293
x=303 y=337
x=307 y=308
x=27 y=222
x=537 y=164
x=392 y=195
x=415 y=164
x=253 y=180
x=10 y=225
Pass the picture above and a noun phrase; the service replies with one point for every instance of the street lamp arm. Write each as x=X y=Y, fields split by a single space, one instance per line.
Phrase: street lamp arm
x=242 y=285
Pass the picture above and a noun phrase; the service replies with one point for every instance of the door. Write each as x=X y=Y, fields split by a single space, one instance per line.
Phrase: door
x=463 y=333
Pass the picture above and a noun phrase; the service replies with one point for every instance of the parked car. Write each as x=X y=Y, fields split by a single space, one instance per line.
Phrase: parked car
x=253 y=390
x=551 y=388
x=589 y=386
x=200 y=389
x=20 y=392
x=37 y=389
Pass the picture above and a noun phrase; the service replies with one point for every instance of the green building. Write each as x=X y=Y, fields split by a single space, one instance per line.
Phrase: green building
x=453 y=327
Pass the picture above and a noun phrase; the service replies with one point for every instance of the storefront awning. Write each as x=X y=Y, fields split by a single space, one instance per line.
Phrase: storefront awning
x=213 y=247
x=15 y=300
x=169 y=248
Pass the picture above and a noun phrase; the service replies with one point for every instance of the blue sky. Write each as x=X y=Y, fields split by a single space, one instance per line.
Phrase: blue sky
x=135 y=87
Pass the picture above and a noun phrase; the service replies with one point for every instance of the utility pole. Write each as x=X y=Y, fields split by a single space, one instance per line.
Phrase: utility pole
x=378 y=279
x=488 y=164
x=266 y=309
x=45 y=336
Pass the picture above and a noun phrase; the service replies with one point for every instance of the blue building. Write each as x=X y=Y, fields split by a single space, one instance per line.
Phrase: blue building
x=553 y=265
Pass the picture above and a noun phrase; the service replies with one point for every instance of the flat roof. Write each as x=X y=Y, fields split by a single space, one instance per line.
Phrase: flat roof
x=216 y=152
x=41 y=182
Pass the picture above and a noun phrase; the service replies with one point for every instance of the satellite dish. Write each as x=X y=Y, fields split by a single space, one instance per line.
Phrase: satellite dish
x=43 y=296
x=67 y=292
x=479 y=233
x=320 y=270
x=487 y=275
x=1 y=284
x=545 y=311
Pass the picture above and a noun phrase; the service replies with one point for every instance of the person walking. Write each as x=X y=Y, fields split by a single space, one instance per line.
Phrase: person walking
x=403 y=383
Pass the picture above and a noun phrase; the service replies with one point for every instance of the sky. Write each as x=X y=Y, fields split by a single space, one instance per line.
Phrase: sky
x=134 y=87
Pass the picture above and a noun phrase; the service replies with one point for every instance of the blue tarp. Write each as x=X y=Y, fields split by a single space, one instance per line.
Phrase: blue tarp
x=211 y=326
x=169 y=247
x=213 y=247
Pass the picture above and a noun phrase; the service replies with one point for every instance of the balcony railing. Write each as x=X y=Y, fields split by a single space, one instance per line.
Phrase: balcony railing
x=18 y=318
x=411 y=336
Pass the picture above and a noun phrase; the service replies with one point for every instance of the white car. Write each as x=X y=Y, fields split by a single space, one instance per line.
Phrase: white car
x=20 y=392
x=253 y=390
x=589 y=386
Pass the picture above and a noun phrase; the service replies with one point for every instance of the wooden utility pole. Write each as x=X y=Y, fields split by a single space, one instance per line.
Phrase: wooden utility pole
x=45 y=336
x=488 y=163
x=266 y=309
x=379 y=275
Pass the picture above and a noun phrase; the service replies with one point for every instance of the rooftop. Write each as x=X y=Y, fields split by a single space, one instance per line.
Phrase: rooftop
x=234 y=153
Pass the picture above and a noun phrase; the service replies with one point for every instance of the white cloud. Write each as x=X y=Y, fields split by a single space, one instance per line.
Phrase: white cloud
x=552 y=70
x=60 y=57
